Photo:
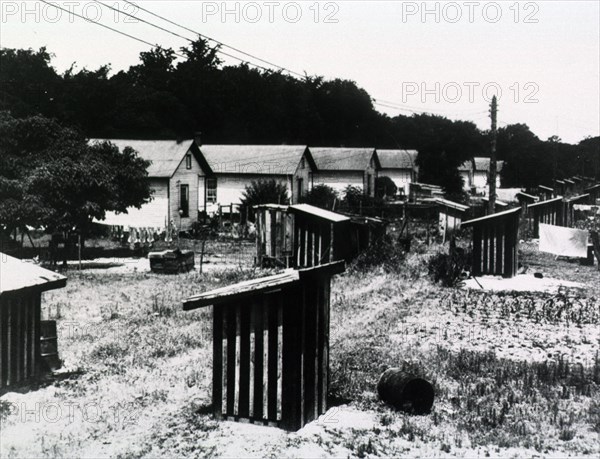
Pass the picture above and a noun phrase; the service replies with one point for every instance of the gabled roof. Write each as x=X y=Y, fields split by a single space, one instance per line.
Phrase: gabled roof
x=397 y=159
x=343 y=159
x=166 y=155
x=18 y=275
x=254 y=159
x=483 y=164
x=467 y=166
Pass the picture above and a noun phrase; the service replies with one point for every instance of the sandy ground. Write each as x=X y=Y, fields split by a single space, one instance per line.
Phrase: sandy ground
x=153 y=419
x=142 y=265
x=519 y=283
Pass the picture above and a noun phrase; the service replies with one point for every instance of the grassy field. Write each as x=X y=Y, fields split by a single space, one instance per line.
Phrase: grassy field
x=513 y=376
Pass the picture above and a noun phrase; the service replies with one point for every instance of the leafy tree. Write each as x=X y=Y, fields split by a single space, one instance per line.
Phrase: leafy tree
x=56 y=180
x=29 y=85
x=159 y=97
x=322 y=196
x=385 y=186
x=263 y=192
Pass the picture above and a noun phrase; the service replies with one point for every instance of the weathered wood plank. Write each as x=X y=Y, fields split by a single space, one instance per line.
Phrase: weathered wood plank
x=244 y=384
x=257 y=329
x=273 y=360
x=217 y=376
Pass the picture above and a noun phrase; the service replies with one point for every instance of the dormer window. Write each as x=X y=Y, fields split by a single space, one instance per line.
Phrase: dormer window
x=302 y=163
x=188 y=161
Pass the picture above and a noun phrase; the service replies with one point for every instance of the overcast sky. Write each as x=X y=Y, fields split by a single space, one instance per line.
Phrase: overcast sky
x=447 y=58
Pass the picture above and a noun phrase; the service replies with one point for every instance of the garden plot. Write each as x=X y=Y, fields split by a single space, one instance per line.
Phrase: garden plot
x=504 y=365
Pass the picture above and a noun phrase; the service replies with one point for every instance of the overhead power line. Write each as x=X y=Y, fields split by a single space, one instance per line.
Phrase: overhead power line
x=173 y=33
x=105 y=26
x=380 y=102
x=206 y=37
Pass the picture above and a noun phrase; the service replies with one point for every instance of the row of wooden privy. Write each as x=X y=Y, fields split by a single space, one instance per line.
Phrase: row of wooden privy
x=270 y=335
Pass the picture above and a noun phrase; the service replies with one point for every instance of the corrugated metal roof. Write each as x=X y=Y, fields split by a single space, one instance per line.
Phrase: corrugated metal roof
x=165 y=155
x=16 y=274
x=397 y=159
x=343 y=159
x=253 y=159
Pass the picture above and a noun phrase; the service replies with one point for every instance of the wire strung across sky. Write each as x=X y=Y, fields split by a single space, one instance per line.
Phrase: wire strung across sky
x=376 y=101
x=220 y=43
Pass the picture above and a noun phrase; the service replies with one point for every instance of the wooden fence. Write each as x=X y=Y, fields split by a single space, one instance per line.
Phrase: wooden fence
x=495 y=243
x=271 y=347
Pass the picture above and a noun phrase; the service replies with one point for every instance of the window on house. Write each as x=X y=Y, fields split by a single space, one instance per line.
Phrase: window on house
x=211 y=190
x=188 y=161
x=302 y=163
x=300 y=183
x=184 y=200
x=369 y=178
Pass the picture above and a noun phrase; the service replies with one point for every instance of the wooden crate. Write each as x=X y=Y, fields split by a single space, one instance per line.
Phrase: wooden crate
x=271 y=347
x=171 y=261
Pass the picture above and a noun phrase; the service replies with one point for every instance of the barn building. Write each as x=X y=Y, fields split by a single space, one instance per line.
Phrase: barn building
x=176 y=175
x=400 y=166
x=341 y=167
x=475 y=174
x=465 y=171
x=230 y=168
x=481 y=173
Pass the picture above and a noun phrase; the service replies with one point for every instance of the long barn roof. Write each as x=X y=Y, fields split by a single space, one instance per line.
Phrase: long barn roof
x=342 y=159
x=253 y=159
x=165 y=155
x=397 y=159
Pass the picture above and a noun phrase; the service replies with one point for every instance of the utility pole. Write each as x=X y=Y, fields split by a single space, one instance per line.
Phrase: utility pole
x=493 y=169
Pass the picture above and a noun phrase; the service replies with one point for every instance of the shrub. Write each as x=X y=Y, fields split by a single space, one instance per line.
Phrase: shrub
x=384 y=253
x=322 y=196
x=263 y=192
x=385 y=186
x=449 y=267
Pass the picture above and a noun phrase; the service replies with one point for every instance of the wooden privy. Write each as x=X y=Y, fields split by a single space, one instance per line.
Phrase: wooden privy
x=594 y=194
x=549 y=212
x=320 y=236
x=274 y=236
x=21 y=287
x=450 y=216
x=495 y=243
x=271 y=347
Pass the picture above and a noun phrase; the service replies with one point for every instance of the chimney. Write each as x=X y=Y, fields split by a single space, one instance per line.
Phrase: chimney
x=198 y=138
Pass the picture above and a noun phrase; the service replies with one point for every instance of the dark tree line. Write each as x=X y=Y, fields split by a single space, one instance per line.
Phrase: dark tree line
x=161 y=98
